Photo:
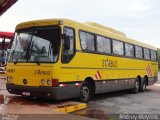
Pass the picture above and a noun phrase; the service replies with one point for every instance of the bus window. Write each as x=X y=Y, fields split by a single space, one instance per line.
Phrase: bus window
x=45 y=44
x=68 y=45
x=40 y=44
x=103 y=45
x=118 y=48
x=87 y=41
x=129 y=50
x=138 y=51
x=153 y=55
x=146 y=54
x=20 y=46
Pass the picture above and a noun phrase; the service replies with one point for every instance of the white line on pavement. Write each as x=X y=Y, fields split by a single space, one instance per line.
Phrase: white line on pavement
x=157 y=85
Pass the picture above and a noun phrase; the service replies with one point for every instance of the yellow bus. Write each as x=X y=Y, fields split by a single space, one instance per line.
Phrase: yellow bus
x=61 y=58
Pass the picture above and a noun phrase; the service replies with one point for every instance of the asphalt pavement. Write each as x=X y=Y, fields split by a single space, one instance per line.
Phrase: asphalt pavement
x=106 y=106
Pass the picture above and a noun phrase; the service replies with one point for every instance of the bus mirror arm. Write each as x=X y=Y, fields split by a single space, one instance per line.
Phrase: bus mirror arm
x=66 y=42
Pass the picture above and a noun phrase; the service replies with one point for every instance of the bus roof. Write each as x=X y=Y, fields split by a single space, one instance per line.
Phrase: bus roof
x=88 y=26
x=8 y=35
x=106 y=28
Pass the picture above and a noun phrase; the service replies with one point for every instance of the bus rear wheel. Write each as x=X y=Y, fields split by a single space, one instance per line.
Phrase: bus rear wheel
x=85 y=92
x=135 y=90
x=143 y=86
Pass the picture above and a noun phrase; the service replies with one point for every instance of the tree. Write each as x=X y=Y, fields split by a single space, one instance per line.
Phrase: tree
x=158 y=57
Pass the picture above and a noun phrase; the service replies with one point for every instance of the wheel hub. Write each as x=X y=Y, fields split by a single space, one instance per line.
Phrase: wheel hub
x=85 y=92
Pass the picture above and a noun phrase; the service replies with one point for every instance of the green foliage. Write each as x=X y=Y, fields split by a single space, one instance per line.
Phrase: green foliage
x=158 y=54
x=158 y=57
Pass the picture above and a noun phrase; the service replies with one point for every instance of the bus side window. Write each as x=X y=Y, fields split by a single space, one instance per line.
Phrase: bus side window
x=139 y=52
x=68 y=45
x=153 y=55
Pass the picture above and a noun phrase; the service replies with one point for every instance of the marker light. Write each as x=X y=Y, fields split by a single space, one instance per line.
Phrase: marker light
x=62 y=85
x=78 y=84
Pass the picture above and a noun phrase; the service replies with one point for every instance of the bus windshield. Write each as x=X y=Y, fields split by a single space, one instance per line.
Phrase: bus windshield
x=38 y=44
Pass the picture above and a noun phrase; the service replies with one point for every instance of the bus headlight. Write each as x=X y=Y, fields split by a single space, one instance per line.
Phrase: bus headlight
x=43 y=82
x=49 y=82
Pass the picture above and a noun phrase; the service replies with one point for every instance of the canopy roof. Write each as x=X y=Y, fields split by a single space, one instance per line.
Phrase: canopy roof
x=8 y=35
x=5 y=5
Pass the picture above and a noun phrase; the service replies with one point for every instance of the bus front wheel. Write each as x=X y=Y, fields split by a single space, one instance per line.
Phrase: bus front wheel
x=85 y=92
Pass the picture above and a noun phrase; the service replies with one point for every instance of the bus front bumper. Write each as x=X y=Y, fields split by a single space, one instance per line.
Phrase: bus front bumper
x=55 y=93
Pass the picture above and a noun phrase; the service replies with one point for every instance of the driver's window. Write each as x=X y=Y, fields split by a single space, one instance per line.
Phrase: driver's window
x=69 y=40
x=68 y=44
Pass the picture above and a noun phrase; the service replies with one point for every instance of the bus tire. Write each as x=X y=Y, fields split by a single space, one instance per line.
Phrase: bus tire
x=85 y=92
x=135 y=90
x=143 y=86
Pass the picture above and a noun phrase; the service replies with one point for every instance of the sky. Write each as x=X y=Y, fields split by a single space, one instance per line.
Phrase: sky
x=138 y=19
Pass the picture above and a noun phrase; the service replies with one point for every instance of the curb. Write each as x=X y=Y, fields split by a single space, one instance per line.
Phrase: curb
x=70 y=108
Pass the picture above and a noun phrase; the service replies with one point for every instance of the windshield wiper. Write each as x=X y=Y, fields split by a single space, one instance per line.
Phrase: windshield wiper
x=15 y=62
x=37 y=61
